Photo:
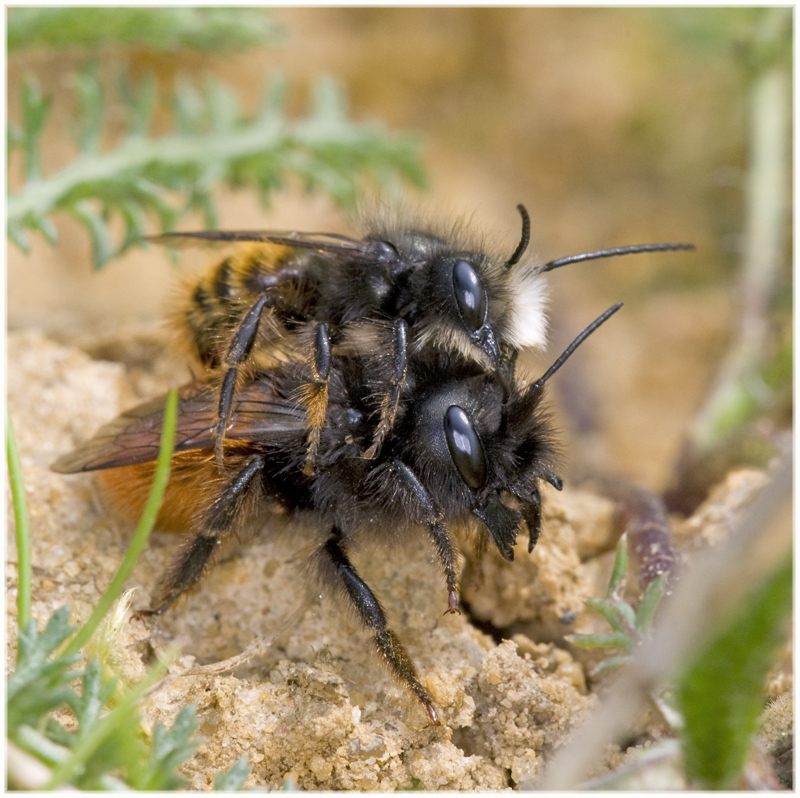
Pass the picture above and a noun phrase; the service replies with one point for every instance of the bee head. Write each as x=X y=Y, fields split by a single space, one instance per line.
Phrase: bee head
x=478 y=442
x=465 y=298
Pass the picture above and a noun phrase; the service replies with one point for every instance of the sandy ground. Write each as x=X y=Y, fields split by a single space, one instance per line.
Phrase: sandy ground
x=314 y=706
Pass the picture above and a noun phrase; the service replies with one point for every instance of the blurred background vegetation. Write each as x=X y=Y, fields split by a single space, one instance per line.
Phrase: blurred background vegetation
x=613 y=126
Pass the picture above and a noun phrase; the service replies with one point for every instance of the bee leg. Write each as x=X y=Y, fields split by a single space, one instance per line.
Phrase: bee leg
x=337 y=569
x=425 y=512
x=193 y=562
x=315 y=394
x=392 y=398
x=238 y=351
x=532 y=513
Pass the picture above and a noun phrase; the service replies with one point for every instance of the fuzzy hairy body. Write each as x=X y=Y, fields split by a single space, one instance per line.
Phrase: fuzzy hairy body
x=365 y=387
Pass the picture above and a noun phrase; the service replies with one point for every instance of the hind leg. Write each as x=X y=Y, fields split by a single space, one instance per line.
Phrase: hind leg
x=218 y=523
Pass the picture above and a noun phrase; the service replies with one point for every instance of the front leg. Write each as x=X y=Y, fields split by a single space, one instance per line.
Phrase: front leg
x=426 y=512
x=392 y=398
x=337 y=570
x=314 y=394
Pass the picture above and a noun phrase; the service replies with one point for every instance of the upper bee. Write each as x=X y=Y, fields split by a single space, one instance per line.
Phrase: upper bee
x=471 y=303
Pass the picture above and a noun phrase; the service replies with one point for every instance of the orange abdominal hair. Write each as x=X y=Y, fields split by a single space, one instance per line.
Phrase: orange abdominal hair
x=192 y=486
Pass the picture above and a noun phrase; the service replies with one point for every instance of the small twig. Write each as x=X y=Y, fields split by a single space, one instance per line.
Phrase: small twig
x=257 y=647
x=644 y=518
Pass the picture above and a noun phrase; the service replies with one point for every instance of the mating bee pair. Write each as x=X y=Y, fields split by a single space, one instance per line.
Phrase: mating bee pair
x=366 y=385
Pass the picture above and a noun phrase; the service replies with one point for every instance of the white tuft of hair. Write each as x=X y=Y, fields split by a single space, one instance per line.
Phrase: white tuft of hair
x=527 y=313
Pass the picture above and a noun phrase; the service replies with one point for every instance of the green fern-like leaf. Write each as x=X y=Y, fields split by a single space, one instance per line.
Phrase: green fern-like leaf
x=169 y=29
x=233 y=779
x=170 y=749
x=211 y=143
x=39 y=685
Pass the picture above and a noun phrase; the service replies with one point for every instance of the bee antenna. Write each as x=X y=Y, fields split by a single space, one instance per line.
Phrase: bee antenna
x=574 y=345
x=526 y=237
x=610 y=253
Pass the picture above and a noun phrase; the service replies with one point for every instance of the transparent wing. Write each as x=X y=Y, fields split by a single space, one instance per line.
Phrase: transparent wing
x=134 y=436
x=321 y=242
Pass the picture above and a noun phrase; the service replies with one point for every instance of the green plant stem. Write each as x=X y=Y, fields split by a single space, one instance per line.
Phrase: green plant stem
x=22 y=529
x=739 y=389
x=143 y=530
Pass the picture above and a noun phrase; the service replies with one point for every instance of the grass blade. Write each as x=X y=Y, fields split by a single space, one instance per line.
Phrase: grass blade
x=143 y=530
x=24 y=568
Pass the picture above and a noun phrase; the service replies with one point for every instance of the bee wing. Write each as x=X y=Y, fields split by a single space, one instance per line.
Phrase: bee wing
x=134 y=436
x=322 y=242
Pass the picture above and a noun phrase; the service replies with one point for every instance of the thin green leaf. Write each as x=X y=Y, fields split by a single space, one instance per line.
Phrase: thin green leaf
x=135 y=224
x=17 y=236
x=274 y=98
x=225 y=105
x=620 y=568
x=140 y=104
x=42 y=747
x=170 y=749
x=102 y=247
x=602 y=640
x=35 y=110
x=651 y=599
x=46 y=228
x=35 y=648
x=721 y=694
x=95 y=693
x=90 y=92
x=609 y=664
x=188 y=107
x=233 y=779
x=143 y=530
x=618 y=614
x=21 y=527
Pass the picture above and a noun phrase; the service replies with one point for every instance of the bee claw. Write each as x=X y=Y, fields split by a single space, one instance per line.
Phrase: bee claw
x=433 y=714
x=140 y=615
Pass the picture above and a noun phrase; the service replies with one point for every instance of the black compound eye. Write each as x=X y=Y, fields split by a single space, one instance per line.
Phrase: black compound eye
x=465 y=447
x=470 y=295
x=384 y=251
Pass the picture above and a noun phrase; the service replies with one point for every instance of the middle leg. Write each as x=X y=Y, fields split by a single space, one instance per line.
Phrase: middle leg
x=337 y=570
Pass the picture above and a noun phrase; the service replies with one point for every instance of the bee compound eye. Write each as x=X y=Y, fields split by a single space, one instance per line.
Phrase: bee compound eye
x=465 y=447
x=384 y=251
x=470 y=295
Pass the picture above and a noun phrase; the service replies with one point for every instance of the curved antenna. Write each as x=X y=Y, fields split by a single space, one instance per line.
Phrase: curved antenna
x=611 y=253
x=562 y=358
x=526 y=237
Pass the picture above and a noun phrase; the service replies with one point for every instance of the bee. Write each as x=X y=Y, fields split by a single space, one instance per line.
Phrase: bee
x=358 y=385
x=403 y=289
x=463 y=448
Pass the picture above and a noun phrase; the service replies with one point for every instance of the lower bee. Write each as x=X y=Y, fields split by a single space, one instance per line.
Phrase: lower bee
x=465 y=448
x=404 y=289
